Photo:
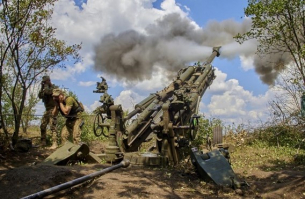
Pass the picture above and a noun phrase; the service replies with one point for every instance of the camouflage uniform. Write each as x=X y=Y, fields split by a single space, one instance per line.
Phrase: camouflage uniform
x=45 y=94
x=73 y=122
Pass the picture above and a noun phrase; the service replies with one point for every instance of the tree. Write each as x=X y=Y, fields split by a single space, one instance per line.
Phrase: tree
x=285 y=107
x=28 y=48
x=29 y=111
x=30 y=103
x=279 y=28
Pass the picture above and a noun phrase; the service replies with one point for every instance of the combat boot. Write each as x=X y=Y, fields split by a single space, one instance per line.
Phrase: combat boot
x=54 y=145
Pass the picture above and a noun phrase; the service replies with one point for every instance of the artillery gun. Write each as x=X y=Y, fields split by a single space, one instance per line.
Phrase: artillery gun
x=170 y=117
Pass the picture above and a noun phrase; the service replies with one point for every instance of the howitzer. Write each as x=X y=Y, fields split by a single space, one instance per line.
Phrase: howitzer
x=169 y=115
x=55 y=189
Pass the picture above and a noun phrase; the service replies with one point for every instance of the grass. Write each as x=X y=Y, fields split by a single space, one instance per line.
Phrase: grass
x=33 y=132
x=259 y=155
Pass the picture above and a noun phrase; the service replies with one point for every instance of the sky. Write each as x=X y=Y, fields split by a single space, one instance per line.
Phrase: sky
x=138 y=46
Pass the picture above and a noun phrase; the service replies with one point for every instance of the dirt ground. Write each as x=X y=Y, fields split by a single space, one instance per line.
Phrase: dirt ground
x=21 y=175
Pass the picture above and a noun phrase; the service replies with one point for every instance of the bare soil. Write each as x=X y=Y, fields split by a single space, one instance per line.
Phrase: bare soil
x=21 y=175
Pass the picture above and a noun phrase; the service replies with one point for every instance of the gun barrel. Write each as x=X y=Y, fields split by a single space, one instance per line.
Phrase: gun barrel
x=214 y=54
x=141 y=106
x=46 y=192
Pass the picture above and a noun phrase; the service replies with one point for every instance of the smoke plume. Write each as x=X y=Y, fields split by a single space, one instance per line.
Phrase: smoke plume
x=174 y=41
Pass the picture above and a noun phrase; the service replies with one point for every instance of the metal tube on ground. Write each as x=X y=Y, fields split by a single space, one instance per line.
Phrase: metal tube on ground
x=60 y=187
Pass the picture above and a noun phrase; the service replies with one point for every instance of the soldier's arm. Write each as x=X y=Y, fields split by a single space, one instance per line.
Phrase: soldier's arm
x=65 y=108
x=55 y=111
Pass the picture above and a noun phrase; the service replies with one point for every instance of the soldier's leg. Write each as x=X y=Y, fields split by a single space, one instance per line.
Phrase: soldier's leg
x=64 y=135
x=43 y=128
x=53 y=123
x=77 y=131
x=67 y=134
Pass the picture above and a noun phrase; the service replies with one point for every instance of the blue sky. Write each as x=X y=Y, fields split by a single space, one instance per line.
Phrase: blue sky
x=237 y=94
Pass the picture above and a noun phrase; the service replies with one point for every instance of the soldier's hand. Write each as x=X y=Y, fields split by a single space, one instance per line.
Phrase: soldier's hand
x=56 y=101
x=61 y=98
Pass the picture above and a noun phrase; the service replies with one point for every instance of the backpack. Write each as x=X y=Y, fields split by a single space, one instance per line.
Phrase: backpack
x=73 y=113
x=80 y=107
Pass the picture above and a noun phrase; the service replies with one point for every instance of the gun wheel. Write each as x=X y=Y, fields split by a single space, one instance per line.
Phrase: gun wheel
x=98 y=129
x=193 y=128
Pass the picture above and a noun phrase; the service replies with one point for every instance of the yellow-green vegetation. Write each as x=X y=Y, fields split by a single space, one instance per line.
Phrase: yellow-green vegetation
x=87 y=129
x=33 y=131
x=264 y=151
x=269 y=148
x=264 y=157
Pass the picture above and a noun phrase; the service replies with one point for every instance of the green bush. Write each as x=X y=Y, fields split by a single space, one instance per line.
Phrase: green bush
x=278 y=135
x=205 y=130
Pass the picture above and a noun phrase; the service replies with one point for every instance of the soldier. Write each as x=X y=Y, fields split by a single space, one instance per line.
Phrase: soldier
x=71 y=109
x=45 y=94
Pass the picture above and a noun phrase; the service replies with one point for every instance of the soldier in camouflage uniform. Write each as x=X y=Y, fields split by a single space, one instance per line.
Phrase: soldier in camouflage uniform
x=45 y=94
x=71 y=109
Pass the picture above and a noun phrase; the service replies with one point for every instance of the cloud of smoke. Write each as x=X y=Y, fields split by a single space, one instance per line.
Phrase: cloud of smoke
x=174 y=41
x=269 y=66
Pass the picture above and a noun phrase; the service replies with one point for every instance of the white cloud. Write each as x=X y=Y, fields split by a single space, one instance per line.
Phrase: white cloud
x=128 y=99
x=63 y=74
x=232 y=103
x=97 y=18
x=220 y=84
x=93 y=106
x=246 y=62
x=70 y=71
x=170 y=6
x=158 y=82
x=86 y=84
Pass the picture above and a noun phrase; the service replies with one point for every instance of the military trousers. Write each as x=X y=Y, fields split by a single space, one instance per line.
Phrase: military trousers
x=72 y=130
x=48 y=119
